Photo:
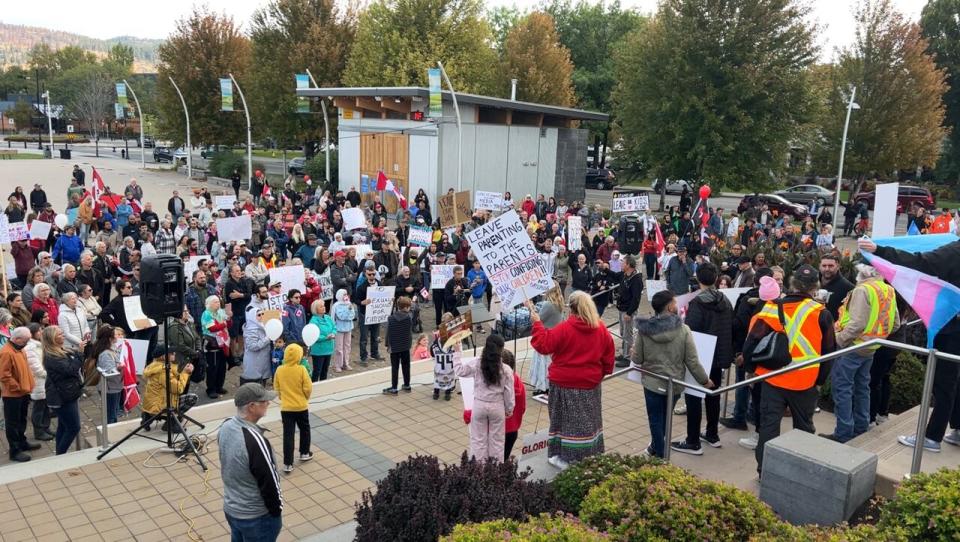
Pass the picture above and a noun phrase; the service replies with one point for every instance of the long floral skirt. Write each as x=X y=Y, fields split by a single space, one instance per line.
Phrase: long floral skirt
x=576 y=423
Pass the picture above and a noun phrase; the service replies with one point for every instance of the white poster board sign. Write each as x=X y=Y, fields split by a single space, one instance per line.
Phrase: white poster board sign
x=289 y=277
x=630 y=203
x=362 y=251
x=466 y=388
x=489 y=201
x=140 y=349
x=654 y=286
x=381 y=304
x=535 y=444
x=420 y=236
x=136 y=319
x=705 y=345
x=353 y=219
x=234 y=228
x=39 y=229
x=510 y=260
x=18 y=231
x=440 y=275
x=191 y=266
x=574 y=233
x=4 y=229
x=326 y=285
x=885 y=210
x=223 y=202
x=733 y=294
x=683 y=301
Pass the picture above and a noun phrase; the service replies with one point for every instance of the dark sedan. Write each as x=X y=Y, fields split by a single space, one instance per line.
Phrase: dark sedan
x=297 y=166
x=774 y=203
x=162 y=154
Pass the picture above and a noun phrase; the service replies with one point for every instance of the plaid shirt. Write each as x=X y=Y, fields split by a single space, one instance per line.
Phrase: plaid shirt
x=164 y=242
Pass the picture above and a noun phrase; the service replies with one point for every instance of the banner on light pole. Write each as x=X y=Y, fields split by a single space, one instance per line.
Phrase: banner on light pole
x=118 y=111
x=303 y=103
x=436 y=101
x=122 y=95
x=226 y=94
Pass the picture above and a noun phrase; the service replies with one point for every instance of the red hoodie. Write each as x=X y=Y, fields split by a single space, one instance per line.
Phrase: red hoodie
x=582 y=355
x=520 y=405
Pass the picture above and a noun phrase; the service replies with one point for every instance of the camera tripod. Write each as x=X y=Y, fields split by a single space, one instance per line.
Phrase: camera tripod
x=170 y=414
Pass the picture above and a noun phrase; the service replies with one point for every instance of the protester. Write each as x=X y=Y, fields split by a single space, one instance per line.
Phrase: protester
x=16 y=384
x=443 y=375
x=294 y=318
x=550 y=310
x=399 y=342
x=106 y=350
x=583 y=353
x=257 y=349
x=493 y=399
x=628 y=301
x=513 y=422
x=214 y=323
x=322 y=350
x=834 y=283
x=343 y=315
x=293 y=385
x=63 y=387
x=155 y=386
x=368 y=332
x=40 y=413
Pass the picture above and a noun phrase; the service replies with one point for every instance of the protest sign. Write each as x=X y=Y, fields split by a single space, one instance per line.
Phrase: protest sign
x=535 y=444
x=440 y=275
x=234 y=228
x=290 y=277
x=885 y=210
x=420 y=236
x=574 y=233
x=326 y=285
x=191 y=266
x=4 y=229
x=510 y=260
x=628 y=203
x=362 y=251
x=733 y=294
x=19 y=231
x=490 y=201
x=455 y=208
x=705 y=345
x=39 y=229
x=136 y=319
x=353 y=219
x=456 y=330
x=140 y=349
x=654 y=286
x=223 y=202
x=466 y=388
x=381 y=304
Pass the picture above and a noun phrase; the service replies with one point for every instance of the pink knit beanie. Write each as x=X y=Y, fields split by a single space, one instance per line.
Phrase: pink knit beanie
x=769 y=289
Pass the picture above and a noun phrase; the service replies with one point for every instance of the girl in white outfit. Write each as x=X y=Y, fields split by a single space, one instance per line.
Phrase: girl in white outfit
x=493 y=399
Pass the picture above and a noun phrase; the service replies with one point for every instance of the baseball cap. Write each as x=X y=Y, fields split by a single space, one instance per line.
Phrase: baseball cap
x=806 y=274
x=252 y=392
x=743 y=259
x=339 y=254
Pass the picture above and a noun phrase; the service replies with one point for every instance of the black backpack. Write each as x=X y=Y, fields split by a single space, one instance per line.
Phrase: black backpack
x=773 y=350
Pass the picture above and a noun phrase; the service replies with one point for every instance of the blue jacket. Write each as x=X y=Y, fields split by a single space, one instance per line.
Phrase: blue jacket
x=323 y=346
x=68 y=247
x=478 y=283
x=305 y=253
x=124 y=210
x=294 y=318
x=343 y=315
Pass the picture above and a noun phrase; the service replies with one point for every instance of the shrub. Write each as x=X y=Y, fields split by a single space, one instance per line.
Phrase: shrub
x=906 y=383
x=666 y=503
x=223 y=163
x=926 y=506
x=573 y=484
x=316 y=169
x=420 y=499
x=784 y=532
x=544 y=528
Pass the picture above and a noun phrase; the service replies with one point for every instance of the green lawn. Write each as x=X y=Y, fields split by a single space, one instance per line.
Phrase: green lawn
x=270 y=153
x=21 y=156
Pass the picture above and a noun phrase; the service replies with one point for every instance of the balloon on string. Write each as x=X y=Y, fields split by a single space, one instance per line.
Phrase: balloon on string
x=306 y=179
x=704 y=191
x=274 y=329
x=61 y=221
x=310 y=334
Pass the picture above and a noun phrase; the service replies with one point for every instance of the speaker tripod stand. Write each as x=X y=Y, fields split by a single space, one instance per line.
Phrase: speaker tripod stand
x=168 y=412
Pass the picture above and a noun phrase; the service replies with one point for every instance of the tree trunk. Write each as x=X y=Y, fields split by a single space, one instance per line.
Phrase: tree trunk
x=663 y=196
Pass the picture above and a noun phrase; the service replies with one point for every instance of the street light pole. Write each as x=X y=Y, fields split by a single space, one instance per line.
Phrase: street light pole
x=36 y=75
x=843 y=149
x=186 y=115
x=246 y=111
x=326 y=126
x=49 y=121
x=456 y=108
x=143 y=163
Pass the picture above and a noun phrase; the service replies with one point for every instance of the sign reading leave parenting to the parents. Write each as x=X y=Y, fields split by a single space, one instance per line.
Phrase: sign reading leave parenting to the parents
x=490 y=201
x=420 y=236
x=455 y=208
x=510 y=260
x=381 y=303
x=629 y=202
x=234 y=228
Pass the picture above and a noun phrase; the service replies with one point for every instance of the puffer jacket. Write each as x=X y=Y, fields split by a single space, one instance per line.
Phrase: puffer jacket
x=35 y=360
x=257 y=348
x=664 y=345
x=710 y=312
x=154 y=387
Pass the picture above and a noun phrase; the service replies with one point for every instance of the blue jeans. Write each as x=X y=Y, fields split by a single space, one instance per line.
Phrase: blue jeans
x=657 y=411
x=113 y=406
x=850 y=380
x=741 y=398
x=68 y=426
x=373 y=333
x=262 y=529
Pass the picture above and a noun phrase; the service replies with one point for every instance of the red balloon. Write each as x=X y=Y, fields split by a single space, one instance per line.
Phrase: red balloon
x=704 y=192
x=306 y=177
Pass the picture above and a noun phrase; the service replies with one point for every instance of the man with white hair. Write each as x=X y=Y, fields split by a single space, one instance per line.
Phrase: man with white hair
x=868 y=312
x=73 y=322
x=16 y=383
x=252 y=500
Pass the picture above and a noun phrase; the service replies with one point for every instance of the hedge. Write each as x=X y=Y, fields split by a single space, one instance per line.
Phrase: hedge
x=573 y=484
x=543 y=528
x=57 y=138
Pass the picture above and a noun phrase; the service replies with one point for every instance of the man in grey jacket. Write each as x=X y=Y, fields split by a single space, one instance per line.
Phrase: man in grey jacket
x=252 y=501
x=679 y=272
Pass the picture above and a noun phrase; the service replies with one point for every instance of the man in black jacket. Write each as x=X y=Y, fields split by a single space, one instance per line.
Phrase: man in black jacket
x=371 y=331
x=628 y=301
x=38 y=198
x=834 y=283
x=456 y=291
x=709 y=312
x=341 y=275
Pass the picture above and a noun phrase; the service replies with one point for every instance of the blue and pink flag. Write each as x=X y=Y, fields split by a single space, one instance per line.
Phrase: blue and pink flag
x=935 y=301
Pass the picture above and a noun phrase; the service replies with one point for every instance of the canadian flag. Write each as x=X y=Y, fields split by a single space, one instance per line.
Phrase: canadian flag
x=383 y=183
x=98 y=189
x=267 y=193
x=129 y=371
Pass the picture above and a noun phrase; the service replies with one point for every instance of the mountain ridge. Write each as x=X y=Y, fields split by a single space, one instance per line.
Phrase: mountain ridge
x=16 y=41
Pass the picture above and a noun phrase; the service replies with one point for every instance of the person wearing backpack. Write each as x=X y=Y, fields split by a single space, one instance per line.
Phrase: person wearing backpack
x=812 y=338
x=710 y=313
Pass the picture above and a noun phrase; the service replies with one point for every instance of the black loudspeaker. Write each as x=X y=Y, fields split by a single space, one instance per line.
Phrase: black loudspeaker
x=632 y=235
x=162 y=286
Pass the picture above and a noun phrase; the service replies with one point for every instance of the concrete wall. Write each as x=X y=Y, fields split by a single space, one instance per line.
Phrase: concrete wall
x=571 y=160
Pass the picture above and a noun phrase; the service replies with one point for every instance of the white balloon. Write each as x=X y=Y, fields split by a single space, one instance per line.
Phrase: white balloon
x=274 y=329
x=310 y=334
x=61 y=221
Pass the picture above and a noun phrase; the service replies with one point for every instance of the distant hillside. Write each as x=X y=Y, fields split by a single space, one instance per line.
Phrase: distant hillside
x=17 y=40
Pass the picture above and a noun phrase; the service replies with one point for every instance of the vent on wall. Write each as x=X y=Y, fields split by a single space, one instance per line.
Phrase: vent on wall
x=543 y=132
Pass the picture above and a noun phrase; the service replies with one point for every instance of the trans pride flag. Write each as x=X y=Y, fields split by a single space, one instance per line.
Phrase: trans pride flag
x=935 y=301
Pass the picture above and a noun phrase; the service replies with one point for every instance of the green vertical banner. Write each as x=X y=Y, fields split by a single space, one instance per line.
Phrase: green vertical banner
x=122 y=95
x=118 y=111
x=303 y=103
x=226 y=94
x=436 y=101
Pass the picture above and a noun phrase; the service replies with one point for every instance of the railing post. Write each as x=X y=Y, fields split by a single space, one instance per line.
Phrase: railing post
x=668 y=422
x=103 y=438
x=924 y=411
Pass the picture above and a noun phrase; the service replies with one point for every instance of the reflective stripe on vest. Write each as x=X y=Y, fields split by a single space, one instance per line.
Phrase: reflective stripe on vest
x=804 y=338
x=883 y=312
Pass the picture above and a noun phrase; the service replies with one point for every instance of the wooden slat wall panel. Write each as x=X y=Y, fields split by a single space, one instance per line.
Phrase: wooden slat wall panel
x=391 y=153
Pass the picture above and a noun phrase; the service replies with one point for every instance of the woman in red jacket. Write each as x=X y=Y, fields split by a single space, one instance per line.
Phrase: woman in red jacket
x=582 y=351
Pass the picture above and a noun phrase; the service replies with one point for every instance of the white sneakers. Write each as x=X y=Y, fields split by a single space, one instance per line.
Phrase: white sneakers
x=749 y=443
x=953 y=437
x=557 y=462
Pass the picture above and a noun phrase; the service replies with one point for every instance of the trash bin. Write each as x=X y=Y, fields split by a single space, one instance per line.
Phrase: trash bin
x=65 y=154
x=47 y=153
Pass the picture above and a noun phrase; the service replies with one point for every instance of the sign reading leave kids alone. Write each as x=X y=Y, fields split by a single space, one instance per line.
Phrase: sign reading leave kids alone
x=510 y=260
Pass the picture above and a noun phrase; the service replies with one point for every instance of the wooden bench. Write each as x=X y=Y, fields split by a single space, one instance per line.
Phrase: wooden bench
x=7 y=154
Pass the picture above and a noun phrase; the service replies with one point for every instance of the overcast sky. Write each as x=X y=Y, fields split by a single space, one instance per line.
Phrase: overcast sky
x=103 y=19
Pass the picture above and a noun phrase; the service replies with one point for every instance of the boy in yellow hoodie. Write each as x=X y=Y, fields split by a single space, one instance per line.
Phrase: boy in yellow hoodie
x=292 y=383
x=153 y=401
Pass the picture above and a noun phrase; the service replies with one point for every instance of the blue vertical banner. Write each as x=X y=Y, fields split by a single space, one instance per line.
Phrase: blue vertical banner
x=122 y=95
x=226 y=94
x=303 y=103
x=436 y=100
x=364 y=184
x=118 y=111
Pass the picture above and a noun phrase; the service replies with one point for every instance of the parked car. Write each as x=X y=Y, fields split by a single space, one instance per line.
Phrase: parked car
x=773 y=202
x=180 y=155
x=162 y=154
x=674 y=186
x=600 y=178
x=148 y=142
x=210 y=150
x=297 y=166
x=805 y=193
x=907 y=195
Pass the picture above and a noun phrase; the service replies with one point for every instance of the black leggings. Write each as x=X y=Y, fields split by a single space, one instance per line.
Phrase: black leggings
x=399 y=360
x=292 y=421
x=320 y=366
x=508 y=443
x=216 y=370
x=883 y=360
x=438 y=304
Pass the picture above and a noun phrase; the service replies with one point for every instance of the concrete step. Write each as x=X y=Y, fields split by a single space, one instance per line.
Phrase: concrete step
x=895 y=458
